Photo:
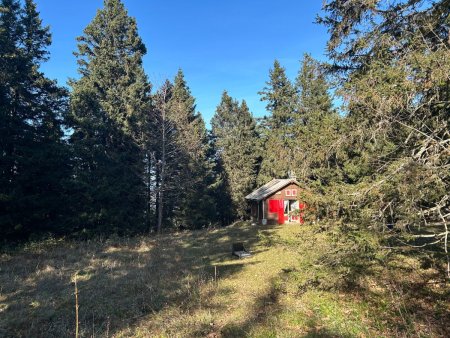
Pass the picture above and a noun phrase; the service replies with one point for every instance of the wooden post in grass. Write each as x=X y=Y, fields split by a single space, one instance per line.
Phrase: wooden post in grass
x=76 y=306
x=215 y=273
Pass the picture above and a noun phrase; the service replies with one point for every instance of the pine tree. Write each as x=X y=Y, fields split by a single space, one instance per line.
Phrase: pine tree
x=220 y=187
x=313 y=88
x=281 y=100
x=109 y=110
x=317 y=125
x=234 y=131
x=193 y=206
x=167 y=154
x=392 y=62
x=34 y=159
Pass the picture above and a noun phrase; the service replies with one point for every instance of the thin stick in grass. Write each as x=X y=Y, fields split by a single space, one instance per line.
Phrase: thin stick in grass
x=76 y=306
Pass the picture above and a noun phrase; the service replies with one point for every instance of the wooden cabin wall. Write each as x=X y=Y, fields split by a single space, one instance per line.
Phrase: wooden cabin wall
x=272 y=218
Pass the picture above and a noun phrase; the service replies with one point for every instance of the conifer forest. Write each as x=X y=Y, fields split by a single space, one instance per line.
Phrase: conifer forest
x=113 y=168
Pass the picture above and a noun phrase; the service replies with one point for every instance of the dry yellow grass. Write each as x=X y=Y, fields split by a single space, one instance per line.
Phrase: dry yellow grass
x=164 y=287
x=127 y=287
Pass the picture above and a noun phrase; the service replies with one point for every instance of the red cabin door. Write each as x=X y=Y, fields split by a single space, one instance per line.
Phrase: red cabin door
x=277 y=206
x=280 y=212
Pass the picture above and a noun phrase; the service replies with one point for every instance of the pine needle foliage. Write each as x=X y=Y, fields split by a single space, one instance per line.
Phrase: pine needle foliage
x=33 y=155
x=391 y=60
x=194 y=206
x=234 y=132
x=108 y=107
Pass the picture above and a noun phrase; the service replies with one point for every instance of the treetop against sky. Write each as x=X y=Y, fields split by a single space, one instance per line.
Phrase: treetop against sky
x=219 y=44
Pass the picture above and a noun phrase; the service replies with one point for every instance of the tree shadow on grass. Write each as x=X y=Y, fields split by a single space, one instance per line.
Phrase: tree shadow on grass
x=121 y=282
x=262 y=321
x=405 y=289
x=396 y=298
x=266 y=306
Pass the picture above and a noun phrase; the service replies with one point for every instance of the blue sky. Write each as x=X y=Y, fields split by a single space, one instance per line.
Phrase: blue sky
x=219 y=44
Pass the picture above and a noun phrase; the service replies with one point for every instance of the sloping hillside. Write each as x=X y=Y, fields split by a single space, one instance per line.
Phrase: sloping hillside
x=166 y=287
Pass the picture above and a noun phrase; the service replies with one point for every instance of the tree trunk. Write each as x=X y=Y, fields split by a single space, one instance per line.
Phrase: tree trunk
x=162 y=174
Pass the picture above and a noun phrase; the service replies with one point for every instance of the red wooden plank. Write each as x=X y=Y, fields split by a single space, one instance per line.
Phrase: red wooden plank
x=280 y=212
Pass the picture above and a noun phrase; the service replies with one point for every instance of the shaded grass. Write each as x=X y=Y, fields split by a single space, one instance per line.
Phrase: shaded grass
x=165 y=287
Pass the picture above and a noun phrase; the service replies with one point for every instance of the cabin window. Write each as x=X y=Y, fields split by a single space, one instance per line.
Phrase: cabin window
x=288 y=192
x=294 y=192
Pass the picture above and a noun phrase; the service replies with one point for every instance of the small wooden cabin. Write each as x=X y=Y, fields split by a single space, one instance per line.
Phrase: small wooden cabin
x=277 y=202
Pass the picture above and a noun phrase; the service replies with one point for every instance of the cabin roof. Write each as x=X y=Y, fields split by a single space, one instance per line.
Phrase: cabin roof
x=270 y=188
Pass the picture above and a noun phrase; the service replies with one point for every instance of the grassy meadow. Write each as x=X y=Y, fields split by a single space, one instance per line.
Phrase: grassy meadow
x=187 y=284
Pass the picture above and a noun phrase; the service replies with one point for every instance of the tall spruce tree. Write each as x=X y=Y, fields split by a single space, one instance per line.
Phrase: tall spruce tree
x=193 y=206
x=220 y=187
x=281 y=99
x=109 y=109
x=234 y=131
x=34 y=159
x=316 y=127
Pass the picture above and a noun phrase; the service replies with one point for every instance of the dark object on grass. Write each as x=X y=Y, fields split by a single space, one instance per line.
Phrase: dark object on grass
x=238 y=249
